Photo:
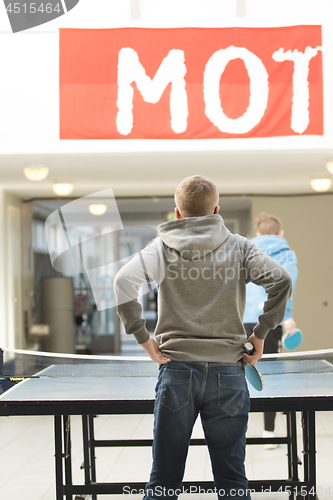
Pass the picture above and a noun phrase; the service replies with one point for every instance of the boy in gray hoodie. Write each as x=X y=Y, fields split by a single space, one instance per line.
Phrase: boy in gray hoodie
x=201 y=270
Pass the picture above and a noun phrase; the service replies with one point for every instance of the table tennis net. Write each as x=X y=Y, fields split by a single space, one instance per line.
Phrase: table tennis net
x=20 y=363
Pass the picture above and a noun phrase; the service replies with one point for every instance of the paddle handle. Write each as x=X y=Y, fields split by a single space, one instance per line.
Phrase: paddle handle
x=249 y=348
x=296 y=331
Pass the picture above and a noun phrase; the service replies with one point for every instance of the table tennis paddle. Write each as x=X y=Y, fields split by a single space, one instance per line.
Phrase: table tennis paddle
x=252 y=373
x=291 y=341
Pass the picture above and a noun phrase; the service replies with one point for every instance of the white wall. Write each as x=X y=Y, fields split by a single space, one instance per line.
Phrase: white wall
x=3 y=305
x=307 y=223
x=27 y=260
x=11 y=305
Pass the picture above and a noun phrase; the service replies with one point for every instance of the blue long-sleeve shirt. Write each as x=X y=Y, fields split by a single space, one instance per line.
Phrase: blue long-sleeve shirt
x=276 y=247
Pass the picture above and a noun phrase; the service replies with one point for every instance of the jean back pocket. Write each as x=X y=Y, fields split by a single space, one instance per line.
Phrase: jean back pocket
x=175 y=388
x=231 y=392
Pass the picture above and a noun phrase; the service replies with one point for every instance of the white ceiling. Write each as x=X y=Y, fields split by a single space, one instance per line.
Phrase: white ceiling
x=158 y=173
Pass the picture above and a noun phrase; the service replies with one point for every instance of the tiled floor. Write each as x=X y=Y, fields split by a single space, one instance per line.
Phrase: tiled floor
x=27 y=456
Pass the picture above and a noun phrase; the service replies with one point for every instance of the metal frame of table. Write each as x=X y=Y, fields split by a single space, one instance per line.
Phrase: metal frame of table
x=292 y=484
x=63 y=459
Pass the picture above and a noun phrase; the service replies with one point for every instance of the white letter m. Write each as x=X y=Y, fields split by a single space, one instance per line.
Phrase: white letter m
x=172 y=70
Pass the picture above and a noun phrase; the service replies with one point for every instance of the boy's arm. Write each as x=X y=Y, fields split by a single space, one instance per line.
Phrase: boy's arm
x=142 y=269
x=154 y=352
x=277 y=282
x=291 y=266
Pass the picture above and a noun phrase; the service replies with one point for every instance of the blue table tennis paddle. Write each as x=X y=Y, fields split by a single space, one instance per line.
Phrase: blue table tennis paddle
x=291 y=341
x=252 y=373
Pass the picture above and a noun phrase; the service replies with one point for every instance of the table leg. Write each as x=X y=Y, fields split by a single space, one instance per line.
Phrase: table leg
x=309 y=450
x=86 y=453
x=58 y=456
x=293 y=459
x=67 y=452
x=92 y=451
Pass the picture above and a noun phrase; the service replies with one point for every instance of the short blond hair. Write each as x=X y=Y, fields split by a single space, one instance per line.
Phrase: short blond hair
x=268 y=224
x=196 y=196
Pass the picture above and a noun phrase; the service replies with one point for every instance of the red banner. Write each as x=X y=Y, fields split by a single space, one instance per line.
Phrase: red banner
x=190 y=83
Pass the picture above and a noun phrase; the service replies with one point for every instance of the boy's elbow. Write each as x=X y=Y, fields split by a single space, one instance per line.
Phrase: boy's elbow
x=124 y=288
x=120 y=285
x=117 y=281
x=287 y=278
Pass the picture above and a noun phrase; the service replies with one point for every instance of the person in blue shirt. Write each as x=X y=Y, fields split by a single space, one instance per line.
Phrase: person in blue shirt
x=270 y=239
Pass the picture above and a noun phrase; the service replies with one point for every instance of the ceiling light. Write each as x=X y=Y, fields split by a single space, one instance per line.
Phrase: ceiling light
x=329 y=165
x=36 y=173
x=321 y=184
x=98 y=209
x=62 y=188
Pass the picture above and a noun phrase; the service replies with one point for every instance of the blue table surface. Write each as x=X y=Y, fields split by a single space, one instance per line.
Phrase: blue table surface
x=85 y=388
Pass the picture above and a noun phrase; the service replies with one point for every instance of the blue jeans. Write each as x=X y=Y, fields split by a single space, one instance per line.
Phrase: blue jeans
x=218 y=391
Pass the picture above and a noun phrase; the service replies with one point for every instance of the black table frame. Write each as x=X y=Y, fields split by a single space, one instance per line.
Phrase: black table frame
x=62 y=434
x=292 y=484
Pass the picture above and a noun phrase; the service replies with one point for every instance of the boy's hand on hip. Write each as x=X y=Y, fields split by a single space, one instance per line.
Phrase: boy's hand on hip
x=258 y=345
x=154 y=352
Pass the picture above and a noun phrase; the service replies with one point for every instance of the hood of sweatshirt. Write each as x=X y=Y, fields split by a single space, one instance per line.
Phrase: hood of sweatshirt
x=194 y=237
x=271 y=244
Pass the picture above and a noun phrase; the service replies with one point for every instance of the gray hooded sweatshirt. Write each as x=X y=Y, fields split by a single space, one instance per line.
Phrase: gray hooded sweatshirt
x=201 y=270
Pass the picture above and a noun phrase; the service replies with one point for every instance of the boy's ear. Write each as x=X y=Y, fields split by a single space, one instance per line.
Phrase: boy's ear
x=178 y=213
x=216 y=209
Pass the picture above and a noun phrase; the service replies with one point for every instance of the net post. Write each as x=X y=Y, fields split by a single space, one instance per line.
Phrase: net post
x=1 y=362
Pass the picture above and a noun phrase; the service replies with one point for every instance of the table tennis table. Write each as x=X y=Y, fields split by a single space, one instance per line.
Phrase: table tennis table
x=62 y=391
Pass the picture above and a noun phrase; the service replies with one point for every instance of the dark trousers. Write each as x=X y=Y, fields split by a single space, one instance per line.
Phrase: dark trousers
x=272 y=345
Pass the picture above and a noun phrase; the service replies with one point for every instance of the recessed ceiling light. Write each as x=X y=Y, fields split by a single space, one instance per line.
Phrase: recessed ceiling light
x=97 y=209
x=62 y=188
x=321 y=185
x=36 y=172
x=329 y=165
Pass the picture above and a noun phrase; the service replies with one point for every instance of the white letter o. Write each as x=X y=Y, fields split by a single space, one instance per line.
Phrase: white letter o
x=258 y=76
